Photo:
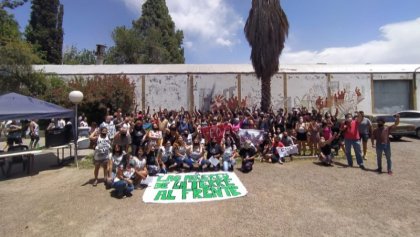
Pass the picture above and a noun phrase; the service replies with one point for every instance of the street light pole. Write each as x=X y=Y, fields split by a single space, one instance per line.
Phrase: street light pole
x=76 y=97
x=76 y=137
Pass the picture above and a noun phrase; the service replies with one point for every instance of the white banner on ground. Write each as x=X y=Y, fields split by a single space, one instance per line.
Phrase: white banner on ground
x=194 y=187
x=288 y=150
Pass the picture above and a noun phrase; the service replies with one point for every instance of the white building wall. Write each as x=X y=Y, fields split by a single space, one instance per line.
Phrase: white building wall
x=350 y=92
x=166 y=91
x=277 y=92
x=306 y=90
x=251 y=90
x=316 y=86
x=214 y=90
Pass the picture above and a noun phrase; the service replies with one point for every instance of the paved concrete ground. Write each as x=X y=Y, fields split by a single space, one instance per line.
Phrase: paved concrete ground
x=299 y=198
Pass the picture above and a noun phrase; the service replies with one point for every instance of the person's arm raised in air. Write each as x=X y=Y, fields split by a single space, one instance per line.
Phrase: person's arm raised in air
x=397 y=121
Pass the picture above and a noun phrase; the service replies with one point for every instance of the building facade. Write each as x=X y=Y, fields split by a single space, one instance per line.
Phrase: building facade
x=375 y=89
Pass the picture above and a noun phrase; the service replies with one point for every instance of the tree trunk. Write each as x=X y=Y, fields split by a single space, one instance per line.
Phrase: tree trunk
x=265 y=94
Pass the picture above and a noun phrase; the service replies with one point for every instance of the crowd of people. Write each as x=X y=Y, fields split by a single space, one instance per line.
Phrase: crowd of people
x=129 y=147
x=132 y=146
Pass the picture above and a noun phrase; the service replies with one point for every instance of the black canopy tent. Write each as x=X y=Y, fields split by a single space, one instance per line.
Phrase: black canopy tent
x=17 y=107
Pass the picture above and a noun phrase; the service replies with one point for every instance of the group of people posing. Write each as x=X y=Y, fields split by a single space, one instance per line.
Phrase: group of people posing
x=131 y=147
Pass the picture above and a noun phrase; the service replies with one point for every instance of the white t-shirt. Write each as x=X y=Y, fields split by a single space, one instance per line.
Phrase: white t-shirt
x=102 y=148
x=140 y=164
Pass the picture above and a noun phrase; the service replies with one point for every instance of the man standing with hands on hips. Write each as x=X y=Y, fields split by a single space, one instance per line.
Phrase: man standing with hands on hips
x=381 y=136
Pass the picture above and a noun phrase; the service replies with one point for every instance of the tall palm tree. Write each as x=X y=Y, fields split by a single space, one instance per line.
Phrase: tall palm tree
x=266 y=30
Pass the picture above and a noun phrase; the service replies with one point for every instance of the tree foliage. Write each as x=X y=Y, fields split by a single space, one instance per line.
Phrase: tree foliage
x=74 y=56
x=45 y=29
x=102 y=92
x=152 y=39
x=266 y=30
x=12 y=4
x=16 y=59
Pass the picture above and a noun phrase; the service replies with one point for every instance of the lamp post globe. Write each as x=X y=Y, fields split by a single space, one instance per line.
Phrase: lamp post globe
x=76 y=97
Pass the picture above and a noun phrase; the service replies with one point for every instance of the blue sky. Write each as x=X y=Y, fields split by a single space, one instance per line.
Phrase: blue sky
x=321 y=31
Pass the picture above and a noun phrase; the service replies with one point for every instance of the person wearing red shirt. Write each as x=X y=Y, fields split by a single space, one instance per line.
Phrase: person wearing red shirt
x=276 y=156
x=350 y=129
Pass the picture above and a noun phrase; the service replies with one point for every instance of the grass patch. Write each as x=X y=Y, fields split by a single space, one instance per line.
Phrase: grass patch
x=85 y=163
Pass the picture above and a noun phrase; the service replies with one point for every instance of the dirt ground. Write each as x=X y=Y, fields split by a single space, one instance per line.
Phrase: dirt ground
x=299 y=198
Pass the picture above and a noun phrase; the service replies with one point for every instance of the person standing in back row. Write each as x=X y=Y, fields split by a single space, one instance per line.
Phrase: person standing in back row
x=381 y=136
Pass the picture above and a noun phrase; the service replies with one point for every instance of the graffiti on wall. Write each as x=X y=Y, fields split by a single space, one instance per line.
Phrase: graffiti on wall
x=210 y=100
x=345 y=100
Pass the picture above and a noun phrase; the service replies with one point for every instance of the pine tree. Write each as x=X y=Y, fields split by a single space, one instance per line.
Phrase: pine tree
x=45 y=29
x=152 y=39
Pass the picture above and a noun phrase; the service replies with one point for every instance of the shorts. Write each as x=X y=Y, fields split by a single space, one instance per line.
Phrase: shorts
x=364 y=137
x=301 y=136
x=100 y=162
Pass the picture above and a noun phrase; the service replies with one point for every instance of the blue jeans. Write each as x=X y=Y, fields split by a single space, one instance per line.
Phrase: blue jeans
x=123 y=187
x=385 y=148
x=357 y=149
x=179 y=161
x=190 y=162
x=227 y=164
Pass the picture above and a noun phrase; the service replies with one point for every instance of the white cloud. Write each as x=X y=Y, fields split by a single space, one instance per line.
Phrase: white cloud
x=206 y=22
x=399 y=43
x=133 y=5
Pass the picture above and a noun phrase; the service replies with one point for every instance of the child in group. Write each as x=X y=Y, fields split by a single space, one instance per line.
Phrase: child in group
x=123 y=181
x=325 y=155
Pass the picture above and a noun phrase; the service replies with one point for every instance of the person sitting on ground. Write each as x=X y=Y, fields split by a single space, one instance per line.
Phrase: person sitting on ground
x=266 y=150
x=180 y=153
x=140 y=166
x=214 y=150
x=196 y=155
x=276 y=158
x=247 y=153
x=123 y=181
x=152 y=159
x=287 y=141
x=165 y=157
x=101 y=154
x=229 y=153
x=326 y=156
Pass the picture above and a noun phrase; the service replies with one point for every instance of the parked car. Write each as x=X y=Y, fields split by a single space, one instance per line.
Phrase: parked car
x=403 y=129
x=411 y=117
